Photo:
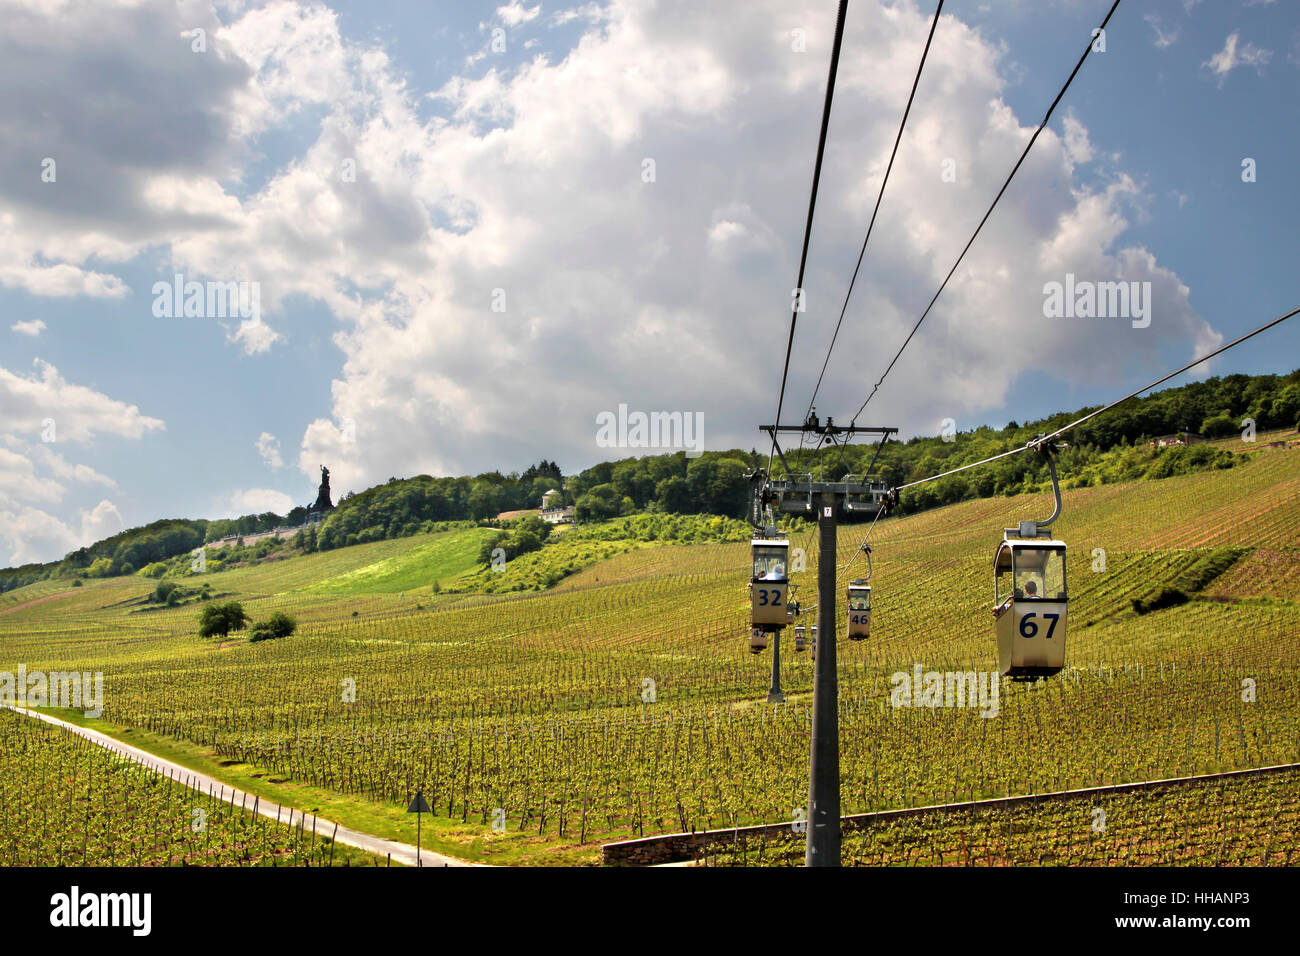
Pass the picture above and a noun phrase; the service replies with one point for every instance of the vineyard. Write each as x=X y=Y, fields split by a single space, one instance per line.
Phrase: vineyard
x=623 y=702
x=1245 y=821
x=67 y=802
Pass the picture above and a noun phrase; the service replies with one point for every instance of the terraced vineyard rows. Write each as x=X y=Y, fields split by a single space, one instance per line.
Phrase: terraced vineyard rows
x=1247 y=821
x=67 y=802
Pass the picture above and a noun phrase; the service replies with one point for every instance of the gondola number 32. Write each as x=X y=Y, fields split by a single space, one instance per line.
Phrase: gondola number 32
x=764 y=600
x=1029 y=627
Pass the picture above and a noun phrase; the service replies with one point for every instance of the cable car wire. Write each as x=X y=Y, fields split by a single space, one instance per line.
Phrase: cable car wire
x=1036 y=443
x=1235 y=342
x=812 y=204
x=1061 y=431
x=881 y=195
x=862 y=547
x=1014 y=169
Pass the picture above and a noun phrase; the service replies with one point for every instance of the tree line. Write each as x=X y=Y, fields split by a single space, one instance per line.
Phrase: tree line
x=1112 y=447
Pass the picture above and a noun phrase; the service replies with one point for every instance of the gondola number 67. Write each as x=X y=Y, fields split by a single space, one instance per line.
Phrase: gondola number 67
x=1029 y=627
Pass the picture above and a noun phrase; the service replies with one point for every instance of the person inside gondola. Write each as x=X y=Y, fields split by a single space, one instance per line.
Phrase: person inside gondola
x=1031 y=589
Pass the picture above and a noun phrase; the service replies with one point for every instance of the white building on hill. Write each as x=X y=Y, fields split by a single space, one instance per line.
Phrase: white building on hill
x=553 y=511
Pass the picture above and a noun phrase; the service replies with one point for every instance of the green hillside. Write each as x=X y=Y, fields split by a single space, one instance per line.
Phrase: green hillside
x=537 y=703
x=1116 y=447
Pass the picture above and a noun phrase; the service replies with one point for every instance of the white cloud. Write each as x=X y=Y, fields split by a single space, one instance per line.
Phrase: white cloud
x=255 y=501
x=29 y=404
x=515 y=13
x=62 y=468
x=671 y=294
x=1164 y=38
x=21 y=271
x=621 y=290
x=254 y=336
x=737 y=232
x=590 y=12
x=31 y=535
x=32 y=327
x=268 y=446
x=20 y=482
x=1234 y=54
x=100 y=522
x=52 y=412
x=1077 y=145
x=110 y=124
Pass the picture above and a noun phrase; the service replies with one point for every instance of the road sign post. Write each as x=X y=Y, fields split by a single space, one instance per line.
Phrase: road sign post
x=418 y=807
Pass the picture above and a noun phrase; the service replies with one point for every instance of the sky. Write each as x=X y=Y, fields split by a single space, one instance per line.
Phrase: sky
x=443 y=238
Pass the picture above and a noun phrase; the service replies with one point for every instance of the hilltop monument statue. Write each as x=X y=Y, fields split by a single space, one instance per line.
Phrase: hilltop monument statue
x=323 y=503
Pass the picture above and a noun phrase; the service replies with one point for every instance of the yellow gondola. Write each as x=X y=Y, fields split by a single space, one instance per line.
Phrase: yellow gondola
x=1030 y=598
x=769 y=587
x=859 y=603
x=1030 y=614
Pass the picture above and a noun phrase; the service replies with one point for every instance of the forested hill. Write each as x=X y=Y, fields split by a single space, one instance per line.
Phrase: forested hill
x=1113 y=447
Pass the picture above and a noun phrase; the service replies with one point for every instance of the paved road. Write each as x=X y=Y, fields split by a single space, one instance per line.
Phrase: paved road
x=401 y=852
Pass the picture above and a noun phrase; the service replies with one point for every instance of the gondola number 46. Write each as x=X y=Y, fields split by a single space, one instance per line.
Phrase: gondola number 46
x=1029 y=627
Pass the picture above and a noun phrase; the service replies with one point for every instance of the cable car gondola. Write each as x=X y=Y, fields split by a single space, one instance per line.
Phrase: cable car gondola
x=769 y=589
x=812 y=643
x=800 y=638
x=859 y=599
x=770 y=585
x=1029 y=595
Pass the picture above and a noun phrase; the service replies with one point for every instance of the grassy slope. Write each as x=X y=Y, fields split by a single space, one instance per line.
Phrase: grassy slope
x=439 y=558
x=677 y=612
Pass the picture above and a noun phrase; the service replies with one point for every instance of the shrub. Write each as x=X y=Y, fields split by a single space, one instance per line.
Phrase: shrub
x=490 y=544
x=277 y=625
x=1219 y=426
x=1165 y=597
x=100 y=568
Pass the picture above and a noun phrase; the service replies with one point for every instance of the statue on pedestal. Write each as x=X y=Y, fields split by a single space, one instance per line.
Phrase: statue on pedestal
x=323 y=503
